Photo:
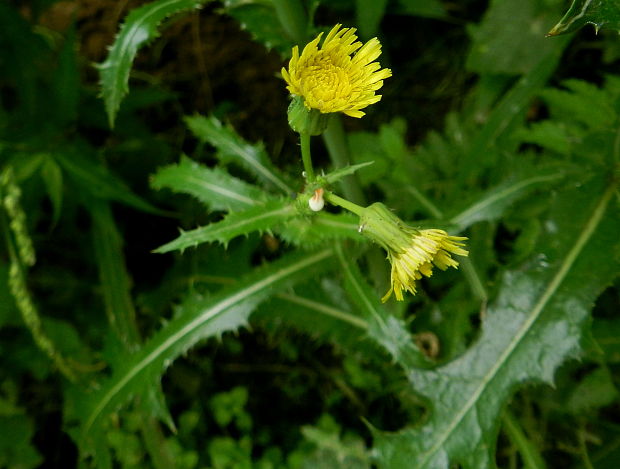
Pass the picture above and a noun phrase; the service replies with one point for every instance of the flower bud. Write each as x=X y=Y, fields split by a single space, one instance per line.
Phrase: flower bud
x=412 y=253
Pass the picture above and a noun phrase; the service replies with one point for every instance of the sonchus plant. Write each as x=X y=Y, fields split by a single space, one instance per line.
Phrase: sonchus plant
x=529 y=325
x=342 y=76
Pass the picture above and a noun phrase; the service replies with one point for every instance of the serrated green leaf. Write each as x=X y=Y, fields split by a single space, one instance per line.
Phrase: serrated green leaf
x=534 y=325
x=582 y=102
x=259 y=218
x=339 y=173
x=139 y=27
x=599 y=13
x=231 y=147
x=115 y=283
x=385 y=329
x=492 y=204
x=214 y=187
x=198 y=319
x=316 y=229
x=549 y=134
x=116 y=290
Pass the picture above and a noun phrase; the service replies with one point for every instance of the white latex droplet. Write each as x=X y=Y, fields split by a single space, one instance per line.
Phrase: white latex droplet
x=316 y=205
x=316 y=202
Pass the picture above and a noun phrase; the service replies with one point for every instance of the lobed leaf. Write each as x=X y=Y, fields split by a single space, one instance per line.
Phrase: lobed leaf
x=199 y=318
x=534 y=325
x=259 y=218
x=599 y=13
x=582 y=102
x=214 y=187
x=120 y=309
x=115 y=282
x=492 y=204
x=231 y=147
x=549 y=134
x=139 y=28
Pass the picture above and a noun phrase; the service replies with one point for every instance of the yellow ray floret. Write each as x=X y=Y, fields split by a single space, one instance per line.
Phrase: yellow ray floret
x=412 y=252
x=425 y=249
x=339 y=76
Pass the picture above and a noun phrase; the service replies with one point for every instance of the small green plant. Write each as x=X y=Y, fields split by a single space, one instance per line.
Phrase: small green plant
x=297 y=320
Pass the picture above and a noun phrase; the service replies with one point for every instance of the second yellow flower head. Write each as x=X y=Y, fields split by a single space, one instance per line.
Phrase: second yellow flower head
x=340 y=76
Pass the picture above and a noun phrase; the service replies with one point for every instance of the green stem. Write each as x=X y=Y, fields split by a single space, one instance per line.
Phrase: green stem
x=529 y=453
x=336 y=142
x=306 y=156
x=346 y=204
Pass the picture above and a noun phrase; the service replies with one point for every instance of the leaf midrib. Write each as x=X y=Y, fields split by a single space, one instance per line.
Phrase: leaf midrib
x=222 y=191
x=572 y=255
x=246 y=221
x=242 y=151
x=199 y=321
x=478 y=206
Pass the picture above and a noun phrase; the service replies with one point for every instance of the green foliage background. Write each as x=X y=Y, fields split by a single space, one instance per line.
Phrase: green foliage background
x=255 y=337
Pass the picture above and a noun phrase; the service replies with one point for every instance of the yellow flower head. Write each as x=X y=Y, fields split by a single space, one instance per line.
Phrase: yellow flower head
x=425 y=249
x=411 y=252
x=340 y=76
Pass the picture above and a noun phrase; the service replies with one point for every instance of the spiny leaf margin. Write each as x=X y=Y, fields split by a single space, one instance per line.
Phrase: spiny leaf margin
x=202 y=317
x=214 y=187
x=534 y=325
x=139 y=28
x=599 y=13
x=259 y=218
x=231 y=147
